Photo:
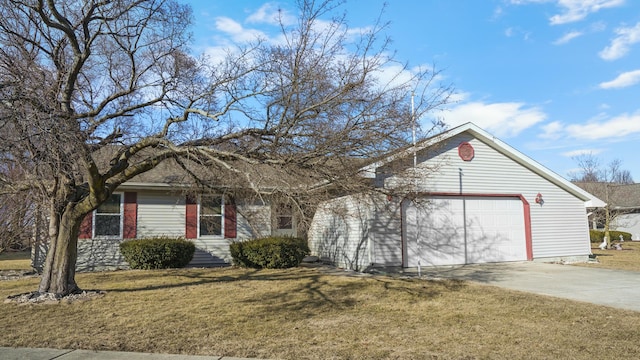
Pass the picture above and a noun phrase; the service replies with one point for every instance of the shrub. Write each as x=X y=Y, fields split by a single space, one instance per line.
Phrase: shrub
x=269 y=252
x=597 y=236
x=157 y=253
x=615 y=235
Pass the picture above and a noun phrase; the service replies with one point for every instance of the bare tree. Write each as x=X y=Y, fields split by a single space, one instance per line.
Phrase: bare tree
x=17 y=216
x=606 y=182
x=81 y=82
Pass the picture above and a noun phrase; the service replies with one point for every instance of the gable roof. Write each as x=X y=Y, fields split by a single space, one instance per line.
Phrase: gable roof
x=500 y=146
x=620 y=196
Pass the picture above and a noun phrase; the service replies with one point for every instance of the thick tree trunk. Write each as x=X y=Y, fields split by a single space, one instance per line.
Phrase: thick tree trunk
x=59 y=272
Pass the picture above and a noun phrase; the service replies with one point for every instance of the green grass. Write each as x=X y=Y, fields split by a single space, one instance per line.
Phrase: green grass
x=309 y=314
x=18 y=260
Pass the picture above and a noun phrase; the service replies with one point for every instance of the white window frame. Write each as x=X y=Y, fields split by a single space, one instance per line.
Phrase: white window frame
x=93 y=222
x=280 y=214
x=222 y=217
x=275 y=229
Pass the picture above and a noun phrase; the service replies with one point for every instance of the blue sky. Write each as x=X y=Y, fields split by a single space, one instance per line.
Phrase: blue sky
x=552 y=78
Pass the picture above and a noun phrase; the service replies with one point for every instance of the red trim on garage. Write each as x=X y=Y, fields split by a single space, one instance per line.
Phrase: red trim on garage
x=526 y=208
x=129 y=224
x=527 y=227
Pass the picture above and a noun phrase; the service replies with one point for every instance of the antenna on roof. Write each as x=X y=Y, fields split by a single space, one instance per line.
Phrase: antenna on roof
x=413 y=132
x=415 y=164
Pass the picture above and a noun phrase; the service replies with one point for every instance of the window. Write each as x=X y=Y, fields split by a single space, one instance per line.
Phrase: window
x=108 y=217
x=284 y=217
x=211 y=216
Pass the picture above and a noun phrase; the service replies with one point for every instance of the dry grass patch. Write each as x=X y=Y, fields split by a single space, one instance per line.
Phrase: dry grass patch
x=306 y=313
x=15 y=260
x=626 y=259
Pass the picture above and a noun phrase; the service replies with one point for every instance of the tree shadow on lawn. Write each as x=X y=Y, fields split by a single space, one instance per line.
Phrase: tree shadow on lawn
x=165 y=279
x=292 y=289
x=318 y=291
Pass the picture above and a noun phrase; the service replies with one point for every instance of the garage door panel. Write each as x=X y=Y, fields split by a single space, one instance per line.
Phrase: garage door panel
x=459 y=230
x=436 y=229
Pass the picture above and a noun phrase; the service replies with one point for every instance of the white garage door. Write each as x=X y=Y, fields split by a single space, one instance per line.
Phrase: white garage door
x=451 y=230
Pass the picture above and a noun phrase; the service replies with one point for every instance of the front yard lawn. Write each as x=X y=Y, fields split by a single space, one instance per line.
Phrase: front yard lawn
x=626 y=259
x=305 y=313
x=15 y=260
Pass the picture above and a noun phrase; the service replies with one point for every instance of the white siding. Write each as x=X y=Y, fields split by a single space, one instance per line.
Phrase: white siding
x=254 y=220
x=629 y=223
x=559 y=226
x=161 y=213
x=339 y=233
x=357 y=232
x=386 y=232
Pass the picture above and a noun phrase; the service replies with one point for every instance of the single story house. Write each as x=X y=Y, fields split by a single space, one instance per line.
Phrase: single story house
x=165 y=202
x=457 y=198
x=462 y=197
x=624 y=203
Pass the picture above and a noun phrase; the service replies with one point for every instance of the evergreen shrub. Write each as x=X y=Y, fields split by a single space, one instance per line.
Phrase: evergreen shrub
x=269 y=252
x=158 y=252
x=597 y=236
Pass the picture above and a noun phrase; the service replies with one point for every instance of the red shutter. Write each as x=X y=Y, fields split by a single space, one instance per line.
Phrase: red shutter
x=191 y=218
x=230 y=219
x=130 y=215
x=86 y=227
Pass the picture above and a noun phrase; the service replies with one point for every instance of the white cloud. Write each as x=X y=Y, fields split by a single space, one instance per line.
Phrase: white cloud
x=573 y=10
x=508 y=32
x=612 y=128
x=576 y=10
x=271 y=14
x=236 y=31
x=458 y=97
x=620 y=45
x=501 y=119
x=396 y=74
x=497 y=13
x=579 y=152
x=598 y=26
x=216 y=54
x=392 y=75
x=568 y=37
x=511 y=32
x=552 y=130
x=626 y=79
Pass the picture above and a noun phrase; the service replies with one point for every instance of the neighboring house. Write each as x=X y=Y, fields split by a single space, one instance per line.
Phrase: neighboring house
x=162 y=202
x=624 y=202
x=461 y=197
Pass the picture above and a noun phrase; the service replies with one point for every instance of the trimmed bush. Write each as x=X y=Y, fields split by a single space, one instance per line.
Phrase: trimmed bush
x=597 y=236
x=157 y=253
x=269 y=252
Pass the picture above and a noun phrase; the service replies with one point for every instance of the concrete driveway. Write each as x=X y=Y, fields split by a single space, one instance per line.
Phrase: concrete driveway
x=615 y=288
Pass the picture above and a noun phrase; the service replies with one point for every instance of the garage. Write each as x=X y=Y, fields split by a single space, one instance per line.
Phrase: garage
x=461 y=197
x=454 y=230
